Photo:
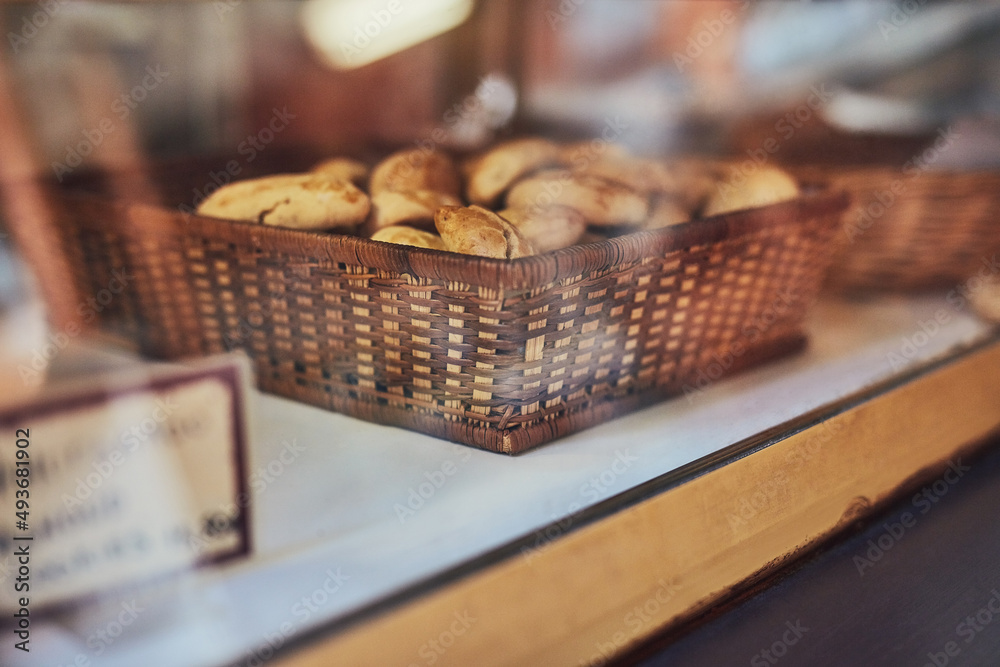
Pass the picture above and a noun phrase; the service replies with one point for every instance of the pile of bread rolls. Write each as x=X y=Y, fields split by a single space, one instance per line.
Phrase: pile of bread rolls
x=518 y=198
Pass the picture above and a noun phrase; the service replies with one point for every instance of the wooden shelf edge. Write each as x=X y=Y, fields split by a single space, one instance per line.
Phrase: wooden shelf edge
x=608 y=585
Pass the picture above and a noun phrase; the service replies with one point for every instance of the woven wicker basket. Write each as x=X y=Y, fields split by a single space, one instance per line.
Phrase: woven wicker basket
x=503 y=355
x=912 y=230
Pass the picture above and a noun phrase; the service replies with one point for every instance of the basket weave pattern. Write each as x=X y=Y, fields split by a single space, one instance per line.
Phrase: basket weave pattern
x=912 y=231
x=499 y=354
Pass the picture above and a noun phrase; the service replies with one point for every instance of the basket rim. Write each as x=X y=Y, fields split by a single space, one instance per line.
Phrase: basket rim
x=146 y=221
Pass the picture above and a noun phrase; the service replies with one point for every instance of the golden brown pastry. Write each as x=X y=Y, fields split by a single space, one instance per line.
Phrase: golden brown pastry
x=640 y=174
x=492 y=173
x=738 y=191
x=416 y=169
x=404 y=235
x=408 y=208
x=602 y=202
x=687 y=182
x=475 y=230
x=344 y=169
x=549 y=228
x=299 y=201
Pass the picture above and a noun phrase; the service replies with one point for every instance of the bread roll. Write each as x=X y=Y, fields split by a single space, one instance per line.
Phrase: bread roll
x=738 y=191
x=491 y=174
x=344 y=169
x=642 y=175
x=602 y=202
x=693 y=184
x=549 y=228
x=404 y=235
x=299 y=201
x=475 y=230
x=408 y=208
x=414 y=170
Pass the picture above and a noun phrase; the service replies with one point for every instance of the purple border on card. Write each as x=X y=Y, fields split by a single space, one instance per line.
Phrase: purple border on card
x=229 y=372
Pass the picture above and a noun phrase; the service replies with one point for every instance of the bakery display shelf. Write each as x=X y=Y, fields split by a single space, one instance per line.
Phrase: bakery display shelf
x=503 y=355
x=379 y=546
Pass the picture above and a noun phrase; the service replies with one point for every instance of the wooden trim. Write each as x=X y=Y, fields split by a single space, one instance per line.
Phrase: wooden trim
x=680 y=551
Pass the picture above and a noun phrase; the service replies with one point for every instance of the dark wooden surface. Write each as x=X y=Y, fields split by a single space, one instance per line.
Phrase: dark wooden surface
x=915 y=584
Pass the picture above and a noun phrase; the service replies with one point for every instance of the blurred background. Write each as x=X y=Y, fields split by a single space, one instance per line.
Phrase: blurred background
x=190 y=77
x=127 y=92
x=118 y=89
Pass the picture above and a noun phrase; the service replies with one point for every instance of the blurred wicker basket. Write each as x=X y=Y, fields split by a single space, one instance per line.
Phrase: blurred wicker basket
x=503 y=355
x=912 y=229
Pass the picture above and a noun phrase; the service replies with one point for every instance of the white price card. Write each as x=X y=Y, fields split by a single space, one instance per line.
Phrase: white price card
x=128 y=478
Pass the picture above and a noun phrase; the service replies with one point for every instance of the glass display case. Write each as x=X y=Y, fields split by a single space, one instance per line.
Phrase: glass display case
x=264 y=437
